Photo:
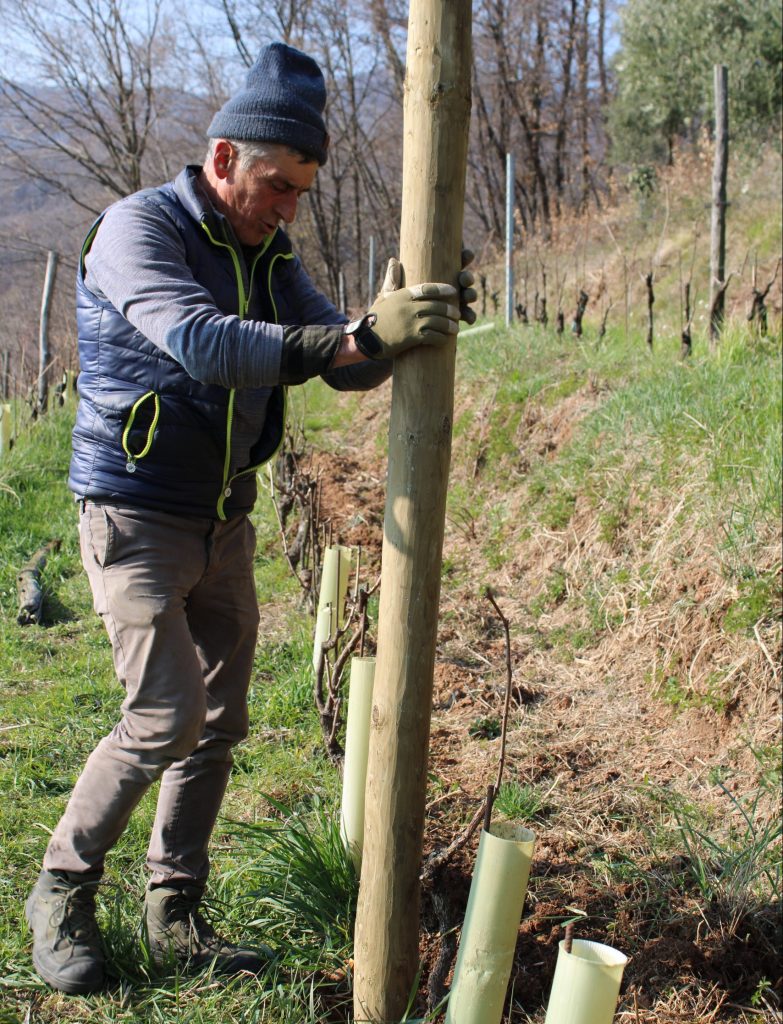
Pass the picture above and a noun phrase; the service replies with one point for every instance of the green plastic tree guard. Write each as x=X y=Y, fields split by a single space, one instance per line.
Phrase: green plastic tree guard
x=586 y=984
x=357 y=744
x=489 y=934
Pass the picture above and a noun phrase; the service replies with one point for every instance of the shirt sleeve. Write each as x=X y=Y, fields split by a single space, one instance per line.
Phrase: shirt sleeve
x=314 y=308
x=137 y=262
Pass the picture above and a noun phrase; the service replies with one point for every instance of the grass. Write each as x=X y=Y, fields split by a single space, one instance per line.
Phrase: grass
x=59 y=696
x=729 y=848
x=301 y=886
x=519 y=802
x=553 y=439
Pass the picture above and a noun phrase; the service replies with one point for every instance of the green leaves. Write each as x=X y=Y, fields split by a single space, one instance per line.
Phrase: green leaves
x=664 y=73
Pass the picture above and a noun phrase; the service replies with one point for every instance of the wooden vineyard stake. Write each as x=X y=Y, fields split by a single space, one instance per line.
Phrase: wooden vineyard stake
x=436 y=121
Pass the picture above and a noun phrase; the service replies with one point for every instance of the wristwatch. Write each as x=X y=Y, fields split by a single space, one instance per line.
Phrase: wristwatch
x=366 y=340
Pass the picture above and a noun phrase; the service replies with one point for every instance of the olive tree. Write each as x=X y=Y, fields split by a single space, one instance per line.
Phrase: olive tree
x=663 y=72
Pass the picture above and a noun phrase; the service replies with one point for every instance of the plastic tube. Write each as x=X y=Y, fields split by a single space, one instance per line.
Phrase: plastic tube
x=586 y=984
x=323 y=630
x=489 y=934
x=335 y=576
x=357 y=744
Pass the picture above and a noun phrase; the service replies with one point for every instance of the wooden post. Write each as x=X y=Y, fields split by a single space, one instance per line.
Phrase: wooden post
x=718 y=235
x=341 y=292
x=436 y=122
x=43 y=347
x=5 y=376
x=648 y=284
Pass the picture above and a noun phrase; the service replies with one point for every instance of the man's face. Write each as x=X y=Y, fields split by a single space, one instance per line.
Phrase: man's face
x=257 y=199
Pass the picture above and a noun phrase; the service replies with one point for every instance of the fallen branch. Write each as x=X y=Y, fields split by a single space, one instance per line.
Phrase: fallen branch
x=28 y=585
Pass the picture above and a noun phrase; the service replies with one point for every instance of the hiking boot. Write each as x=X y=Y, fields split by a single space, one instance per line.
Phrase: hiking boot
x=67 y=951
x=178 y=931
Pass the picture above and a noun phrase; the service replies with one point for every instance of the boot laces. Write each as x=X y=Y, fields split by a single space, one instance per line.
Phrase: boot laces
x=74 y=913
x=201 y=934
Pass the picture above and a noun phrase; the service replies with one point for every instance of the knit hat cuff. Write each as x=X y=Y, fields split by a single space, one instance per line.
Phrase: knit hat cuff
x=306 y=139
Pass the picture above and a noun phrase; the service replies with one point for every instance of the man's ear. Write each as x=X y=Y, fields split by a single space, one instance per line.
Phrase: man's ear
x=222 y=158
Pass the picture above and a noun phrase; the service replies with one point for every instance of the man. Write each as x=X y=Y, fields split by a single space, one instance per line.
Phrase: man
x=194 y=315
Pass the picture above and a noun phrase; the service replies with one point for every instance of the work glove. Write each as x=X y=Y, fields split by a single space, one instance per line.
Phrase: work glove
x=401 y=318
x=467 y=294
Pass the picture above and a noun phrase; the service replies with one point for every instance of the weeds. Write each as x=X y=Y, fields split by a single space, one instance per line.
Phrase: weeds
x=759 y=600
x=735 y=867
x=519 y=802
x=303 y=886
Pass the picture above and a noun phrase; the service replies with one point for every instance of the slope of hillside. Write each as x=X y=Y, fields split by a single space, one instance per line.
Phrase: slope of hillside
x=626 y=512
x=625 y=508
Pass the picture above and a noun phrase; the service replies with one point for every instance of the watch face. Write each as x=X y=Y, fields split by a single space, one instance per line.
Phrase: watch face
x=353 y=326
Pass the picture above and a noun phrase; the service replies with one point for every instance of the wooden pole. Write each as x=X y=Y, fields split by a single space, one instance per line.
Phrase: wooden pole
x=43 y=346
x=719 y=173
x=5 y=428
x=436 y=122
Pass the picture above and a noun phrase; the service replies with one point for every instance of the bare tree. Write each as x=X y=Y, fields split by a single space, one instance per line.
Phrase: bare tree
x=83 y=109
x=583 y=59
x=357 y=193
x=539 y=78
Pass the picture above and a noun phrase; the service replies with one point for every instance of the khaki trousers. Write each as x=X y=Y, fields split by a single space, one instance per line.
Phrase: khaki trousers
x=178 y=599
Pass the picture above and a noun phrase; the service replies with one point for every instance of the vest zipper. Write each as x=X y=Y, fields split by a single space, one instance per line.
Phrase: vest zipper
x=244 y=303
x=130 y=465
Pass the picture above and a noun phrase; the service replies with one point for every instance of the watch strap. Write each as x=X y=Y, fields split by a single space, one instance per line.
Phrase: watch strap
x=367 y=341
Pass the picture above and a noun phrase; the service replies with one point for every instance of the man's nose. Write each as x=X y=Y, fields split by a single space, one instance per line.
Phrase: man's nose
x=286 y=207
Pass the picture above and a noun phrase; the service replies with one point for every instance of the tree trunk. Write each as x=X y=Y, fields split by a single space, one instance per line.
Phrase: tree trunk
x=437 y=112
x=583 y=53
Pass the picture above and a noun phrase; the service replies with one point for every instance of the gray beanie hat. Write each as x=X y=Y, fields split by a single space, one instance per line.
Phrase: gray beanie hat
x=283 y=101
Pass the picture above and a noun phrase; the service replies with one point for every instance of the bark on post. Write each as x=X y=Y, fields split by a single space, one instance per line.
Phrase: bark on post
x=719 y=171
x=43 y=346
x=509 y=238
x=581 y=305
x=437 y=111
